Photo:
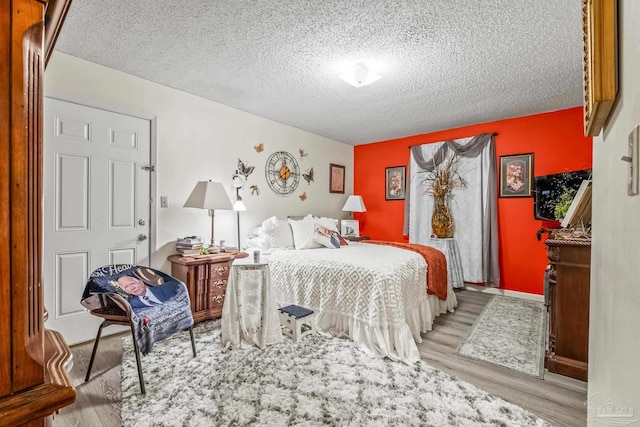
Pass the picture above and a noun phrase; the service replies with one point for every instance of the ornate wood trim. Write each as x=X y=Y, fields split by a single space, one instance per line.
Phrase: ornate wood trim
x=25 y=164
x=32 y=359
x=599 y=26
x=34 y=404
x=5 y=220
x=53 y=19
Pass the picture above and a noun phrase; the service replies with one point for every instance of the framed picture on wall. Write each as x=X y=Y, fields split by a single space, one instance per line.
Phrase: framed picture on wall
x=395 y=183
x=350 y=228
x=600 y=62
x=516 y=175
x=336 y=178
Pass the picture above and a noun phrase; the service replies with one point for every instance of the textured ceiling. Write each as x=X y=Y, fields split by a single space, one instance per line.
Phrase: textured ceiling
x=444 y=63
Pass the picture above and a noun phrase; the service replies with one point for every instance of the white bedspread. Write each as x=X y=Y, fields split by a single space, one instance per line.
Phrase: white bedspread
x=376 y=295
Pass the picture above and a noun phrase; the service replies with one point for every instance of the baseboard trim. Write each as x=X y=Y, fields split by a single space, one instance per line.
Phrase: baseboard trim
x=504 y=292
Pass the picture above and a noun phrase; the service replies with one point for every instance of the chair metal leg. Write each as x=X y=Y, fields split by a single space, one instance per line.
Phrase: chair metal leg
x=137 y=353
x=95 y=349
x=193 y=343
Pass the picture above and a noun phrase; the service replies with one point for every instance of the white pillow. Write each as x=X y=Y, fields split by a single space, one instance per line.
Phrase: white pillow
x=326 y=237
x=259 y=242
x=255 y=232
x=303 y=231
x=268 y=225
x=277 y=233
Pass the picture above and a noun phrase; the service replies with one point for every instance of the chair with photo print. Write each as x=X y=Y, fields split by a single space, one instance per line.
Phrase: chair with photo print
x=151 y=303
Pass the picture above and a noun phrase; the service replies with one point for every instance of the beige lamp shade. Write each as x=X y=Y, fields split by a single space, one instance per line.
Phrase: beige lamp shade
x=354 y=204
x=209 y=195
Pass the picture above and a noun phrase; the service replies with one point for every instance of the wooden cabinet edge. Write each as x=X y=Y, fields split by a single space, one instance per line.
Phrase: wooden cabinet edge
x=34 y=404
x=54 y=16
x=43 y=400
x=567 y=367
x=205 y=259
x=58 y=358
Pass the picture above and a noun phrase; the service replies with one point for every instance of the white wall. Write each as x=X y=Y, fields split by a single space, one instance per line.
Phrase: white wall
x=197 y=140
x=614 y=335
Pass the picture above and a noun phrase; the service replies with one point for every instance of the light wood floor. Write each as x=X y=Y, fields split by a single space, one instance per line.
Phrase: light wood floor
x=558 y=399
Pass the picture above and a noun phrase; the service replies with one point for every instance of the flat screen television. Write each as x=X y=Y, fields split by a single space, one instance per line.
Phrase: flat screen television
x=548 y=190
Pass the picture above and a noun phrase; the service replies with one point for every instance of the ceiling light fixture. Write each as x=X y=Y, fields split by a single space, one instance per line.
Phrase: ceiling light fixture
x=360 y=76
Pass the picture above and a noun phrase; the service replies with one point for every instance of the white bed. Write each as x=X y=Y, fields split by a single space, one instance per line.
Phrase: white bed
x=376 y=295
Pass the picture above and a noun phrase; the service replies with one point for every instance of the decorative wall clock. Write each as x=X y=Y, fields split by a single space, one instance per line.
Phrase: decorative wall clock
x=282 y=173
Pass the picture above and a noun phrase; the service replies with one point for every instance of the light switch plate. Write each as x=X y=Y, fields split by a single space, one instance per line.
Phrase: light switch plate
x=164 y=202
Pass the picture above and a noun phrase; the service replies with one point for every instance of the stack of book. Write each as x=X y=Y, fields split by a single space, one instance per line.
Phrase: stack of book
x=189 y=246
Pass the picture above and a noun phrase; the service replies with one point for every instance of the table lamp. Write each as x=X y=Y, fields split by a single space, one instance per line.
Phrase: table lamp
x=209 y=195
x=355 y=204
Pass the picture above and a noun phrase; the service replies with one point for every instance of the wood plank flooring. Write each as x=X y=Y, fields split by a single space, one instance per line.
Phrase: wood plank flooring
x=558 y=399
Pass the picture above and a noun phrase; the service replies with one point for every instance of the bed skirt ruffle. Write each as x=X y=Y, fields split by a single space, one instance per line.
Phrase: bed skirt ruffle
x=395 y=341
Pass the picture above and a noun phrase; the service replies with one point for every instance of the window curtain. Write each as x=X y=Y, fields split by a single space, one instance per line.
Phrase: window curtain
x=474 y=208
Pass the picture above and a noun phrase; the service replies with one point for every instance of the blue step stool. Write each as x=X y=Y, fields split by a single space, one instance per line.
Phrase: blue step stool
x=297 y=321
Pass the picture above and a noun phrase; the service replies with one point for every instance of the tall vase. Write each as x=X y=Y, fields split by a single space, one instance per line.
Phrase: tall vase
x=441 y=220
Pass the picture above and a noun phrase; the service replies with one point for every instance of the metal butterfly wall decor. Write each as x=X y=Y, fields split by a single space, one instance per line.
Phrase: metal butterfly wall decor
x=303 y=153
x=245 y=170
x=255 y=190
x=259 y=148
x=308 y=176
x=303 y=196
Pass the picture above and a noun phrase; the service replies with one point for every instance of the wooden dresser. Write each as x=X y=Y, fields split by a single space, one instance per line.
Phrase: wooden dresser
x=206 y=279
x=568 y=298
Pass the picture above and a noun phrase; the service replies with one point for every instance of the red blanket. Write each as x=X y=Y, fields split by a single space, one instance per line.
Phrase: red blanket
x=436 y=265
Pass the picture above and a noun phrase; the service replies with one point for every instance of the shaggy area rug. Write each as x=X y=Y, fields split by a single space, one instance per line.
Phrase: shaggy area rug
x=509 y=332
x=319 y=381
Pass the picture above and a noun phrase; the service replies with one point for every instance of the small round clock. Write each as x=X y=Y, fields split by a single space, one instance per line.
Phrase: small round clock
x=282 y=173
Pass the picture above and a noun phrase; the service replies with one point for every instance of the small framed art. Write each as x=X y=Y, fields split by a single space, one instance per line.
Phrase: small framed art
x=350 y=228
x=600 y=62
x=516 y=175
x=336 y=178
x=395 y=183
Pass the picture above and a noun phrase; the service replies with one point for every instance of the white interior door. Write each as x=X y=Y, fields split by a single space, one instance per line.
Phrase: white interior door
x=96 y=205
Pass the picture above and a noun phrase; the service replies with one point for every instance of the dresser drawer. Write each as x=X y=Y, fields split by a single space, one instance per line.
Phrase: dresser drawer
x=219 y=270
x=216 y=301
x=580 y=255
x=217 y=286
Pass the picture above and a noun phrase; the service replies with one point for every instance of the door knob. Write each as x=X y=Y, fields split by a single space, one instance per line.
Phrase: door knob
x=142 y=237
x=142 y=222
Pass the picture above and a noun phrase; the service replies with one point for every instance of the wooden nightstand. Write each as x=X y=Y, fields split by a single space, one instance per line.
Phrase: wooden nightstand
x=357 y=239
x=206 y=279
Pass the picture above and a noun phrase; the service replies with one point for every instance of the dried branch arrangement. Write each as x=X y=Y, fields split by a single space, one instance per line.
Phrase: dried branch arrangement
x=444 y=178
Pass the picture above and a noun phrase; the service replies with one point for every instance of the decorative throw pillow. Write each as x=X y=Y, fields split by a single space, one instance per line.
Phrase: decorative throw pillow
x=330 y=223
x=303 y=231
x=343 y=242
x=326 y=237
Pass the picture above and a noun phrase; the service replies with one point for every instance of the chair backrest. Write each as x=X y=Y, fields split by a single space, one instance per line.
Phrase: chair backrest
x=156 y=304
x=129 y=281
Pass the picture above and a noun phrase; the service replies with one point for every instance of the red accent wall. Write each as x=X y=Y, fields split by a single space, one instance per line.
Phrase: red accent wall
x=558 y=144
